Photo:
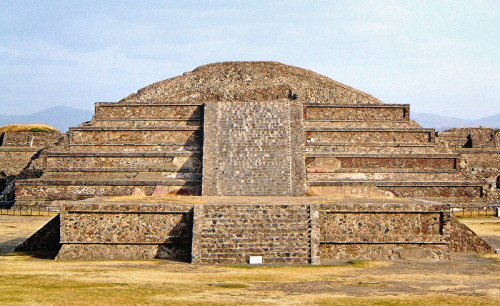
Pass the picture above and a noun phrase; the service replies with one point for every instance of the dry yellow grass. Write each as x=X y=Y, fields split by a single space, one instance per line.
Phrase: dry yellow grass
x=24 y=280
x=33 y=127
x=483 y=226
x=469 y=279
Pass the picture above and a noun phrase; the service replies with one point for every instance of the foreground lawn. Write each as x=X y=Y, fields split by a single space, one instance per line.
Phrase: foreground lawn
x=470 y=279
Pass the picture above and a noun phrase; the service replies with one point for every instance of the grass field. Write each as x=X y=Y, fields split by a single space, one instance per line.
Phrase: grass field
x=34 y=127
x=469 y=279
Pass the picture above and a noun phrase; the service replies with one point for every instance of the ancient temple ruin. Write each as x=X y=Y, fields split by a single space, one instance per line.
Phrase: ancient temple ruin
x=253 y=130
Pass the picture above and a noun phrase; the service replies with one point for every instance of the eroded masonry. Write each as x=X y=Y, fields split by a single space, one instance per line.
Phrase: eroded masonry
x=256 y=141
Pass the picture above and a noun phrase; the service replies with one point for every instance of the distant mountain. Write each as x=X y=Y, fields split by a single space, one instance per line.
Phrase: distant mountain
x=442 y=123
x=61 y=117
x=490 y=121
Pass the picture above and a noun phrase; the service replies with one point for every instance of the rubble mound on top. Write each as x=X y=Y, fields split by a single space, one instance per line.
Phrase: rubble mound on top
x=249 y=81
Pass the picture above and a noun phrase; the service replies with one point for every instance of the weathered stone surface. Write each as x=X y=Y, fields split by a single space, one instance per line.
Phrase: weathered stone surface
x=123 y=252
x=230 y=234
x=251 y=151
x=109 y=111
x=249 y=81
x=125 y=231
x=334 y=136
x=386 y=112
x=463 y=239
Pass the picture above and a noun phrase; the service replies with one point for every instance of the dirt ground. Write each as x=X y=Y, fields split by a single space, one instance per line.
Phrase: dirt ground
x=15 y=229
x=468 y=279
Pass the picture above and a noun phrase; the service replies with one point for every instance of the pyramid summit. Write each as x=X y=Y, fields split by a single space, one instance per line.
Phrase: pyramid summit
x=249 y=81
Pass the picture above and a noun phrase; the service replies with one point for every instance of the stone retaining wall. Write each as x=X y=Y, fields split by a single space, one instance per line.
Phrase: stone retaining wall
x=386 y=112
x=106 y=111
x=383 y=231
x=121 y=231
x=367 y=136
x=412 y=163
x=140 y=136
x=281 y=233
x=230 y=234
x=254 y=151
x=29 y=139
x=14 y=160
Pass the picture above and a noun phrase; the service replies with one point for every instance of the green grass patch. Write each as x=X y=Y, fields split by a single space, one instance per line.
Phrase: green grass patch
x=42 y=130
x=229 y=285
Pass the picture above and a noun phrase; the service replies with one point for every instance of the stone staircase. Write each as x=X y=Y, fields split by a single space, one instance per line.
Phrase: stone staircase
x=125 y=149
x=359 y=149
x=231 y=233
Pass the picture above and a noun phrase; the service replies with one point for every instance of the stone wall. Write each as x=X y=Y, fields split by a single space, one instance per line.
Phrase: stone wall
x=146 y=161
x=325 y=135
x=17 y=150
x=484 y=165
x=14 y=160
x=131 y=136
x=473 y=137
x=385 y=112
x=383 y=231
x=463 y=239
x=41 y=190
x=125 y=231
x=110 y=111
x=290 y=231
x=230 y=234
x=479 y=150
x=415 y=162
x=29 y=139
x=254 y=150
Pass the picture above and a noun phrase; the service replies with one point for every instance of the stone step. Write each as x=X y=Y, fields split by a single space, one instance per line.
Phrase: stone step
x=150 y=135
x=257 y=215
x=124 y=154
x=109 y=174
x=384 y=155
x=279 y=254
x=393 y=183
x=358 y=112
x=301 y=228
x=146 y=161
x=387 y=176
x=15 y=159
x=134 y=148
x=109 y=110
x=262 y=244
x=81 y=189
x=394 y=137
x=28 y=139
x=412 y=189
x=141 y=123
x=342 y=124
x=394 y=148
x=266 y=260
x=332 y=162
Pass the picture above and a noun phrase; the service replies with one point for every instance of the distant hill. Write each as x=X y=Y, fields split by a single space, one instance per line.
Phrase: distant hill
x=441 y=123
x=61 y=117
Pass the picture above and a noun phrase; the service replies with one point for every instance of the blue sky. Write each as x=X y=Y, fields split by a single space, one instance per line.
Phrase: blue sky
x=441 y=57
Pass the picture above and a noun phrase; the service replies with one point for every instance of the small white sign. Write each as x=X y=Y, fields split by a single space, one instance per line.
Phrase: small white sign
x=255 y=260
